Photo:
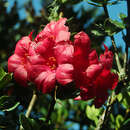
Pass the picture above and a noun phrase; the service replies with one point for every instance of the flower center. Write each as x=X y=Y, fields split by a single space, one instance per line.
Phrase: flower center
x=51 y=63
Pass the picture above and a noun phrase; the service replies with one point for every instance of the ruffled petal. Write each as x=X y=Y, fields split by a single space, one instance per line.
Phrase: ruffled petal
x=22 y=46
x=64 y=73
x=82 y=40
x=49 y=82
x=42 y=47
x=106 y=59
x=56 y=30
x=93 y=71
x=64 y=53
x=20 y=75
x=35 y=70
x=14 y=62
x=62 y=36
x=40 y=78
x=37 y=60
x=93 y=57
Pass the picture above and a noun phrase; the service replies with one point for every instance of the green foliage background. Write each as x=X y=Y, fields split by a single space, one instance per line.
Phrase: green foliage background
x=14 y=99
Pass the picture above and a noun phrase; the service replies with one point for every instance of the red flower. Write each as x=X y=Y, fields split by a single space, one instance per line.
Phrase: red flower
x=18 y=62
x=106 y=59
x=56 y=30
x=92 y=76
x=53 y=57
x=55 y=65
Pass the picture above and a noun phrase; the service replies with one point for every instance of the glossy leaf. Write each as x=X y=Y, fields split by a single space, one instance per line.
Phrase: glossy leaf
x=119 y=97
x=93 y=113
x=119 y=120
x=28 y=123
x=25 y=122
x=7 y=103
x=5 y=80
x=97 y=33
x=2 y=73
x=113 y=26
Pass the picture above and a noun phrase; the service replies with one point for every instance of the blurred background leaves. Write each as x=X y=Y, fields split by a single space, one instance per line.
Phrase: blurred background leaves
x=68 y=114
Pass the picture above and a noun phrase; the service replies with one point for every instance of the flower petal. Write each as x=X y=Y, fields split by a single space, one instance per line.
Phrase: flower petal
x=20 y=75
x=93 y=57
x=64 y=53
x=14 y=62
x=43 y=46
x=64 y=73
x=49 y=82
x=106 y=59
x=93 y=71
x=22 y=46
x=82 y=40
x=35 y=70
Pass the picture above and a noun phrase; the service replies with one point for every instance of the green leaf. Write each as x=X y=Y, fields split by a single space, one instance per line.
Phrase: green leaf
x=2 y=73
x=7 y=103
x=97 y=5
x=5 y=80
x=24 y=122
x=93 y=113
x=63 y=1
x=125 y=103
x=126 y=99
x=125 y=125
x=122 y=16
x=28 y=123
x=97 y=33
x=112 y=118
x=119 y=120
x=119 y=97
x=126 y=122
x=113 y=26
x=12 y=108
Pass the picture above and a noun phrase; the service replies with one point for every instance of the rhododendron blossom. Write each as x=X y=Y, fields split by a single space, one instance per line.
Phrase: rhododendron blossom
x=18 y=63
x=57 y=31
x=56 y=66
x=94 y=78
x=53 y=58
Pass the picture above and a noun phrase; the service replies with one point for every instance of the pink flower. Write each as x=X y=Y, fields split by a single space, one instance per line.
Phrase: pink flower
x=106 y=59
x=56 y=30
x=92 y=75
x=56 y=65
x=18 y=62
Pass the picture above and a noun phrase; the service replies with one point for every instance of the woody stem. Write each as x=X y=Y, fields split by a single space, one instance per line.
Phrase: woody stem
x=113 y=42
x=30 y=106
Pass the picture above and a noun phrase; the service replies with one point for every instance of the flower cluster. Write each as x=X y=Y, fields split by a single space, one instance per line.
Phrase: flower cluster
x=52 y=57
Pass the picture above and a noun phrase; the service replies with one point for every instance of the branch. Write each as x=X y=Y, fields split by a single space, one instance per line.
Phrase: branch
x=112 y=98
x=113 y=42
x=104 y=116
x=30 y=106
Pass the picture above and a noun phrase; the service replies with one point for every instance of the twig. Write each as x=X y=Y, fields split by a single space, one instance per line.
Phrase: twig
x=31 y=104
x=116 y=55
x=104 y=116
x=111 y=99
x=113 y=42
